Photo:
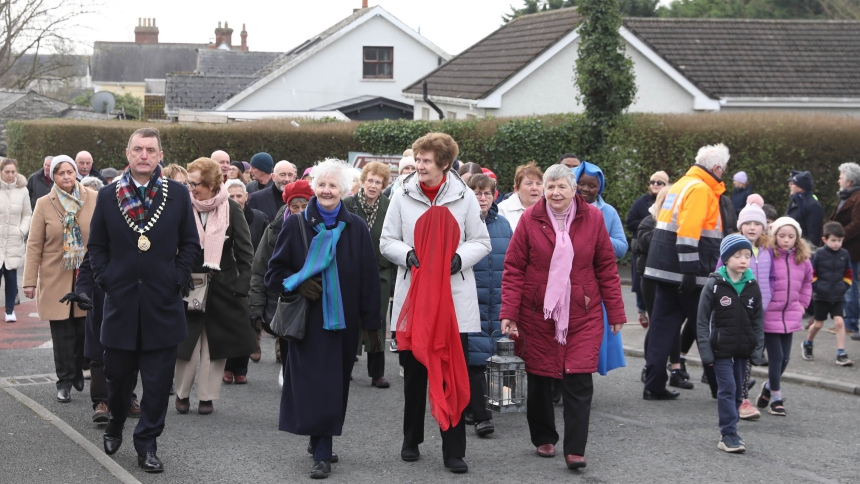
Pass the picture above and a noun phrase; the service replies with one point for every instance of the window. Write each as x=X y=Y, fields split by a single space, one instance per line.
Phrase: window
x=471 y=116
x=425 y=114
x=379 y=62
x=452 y=115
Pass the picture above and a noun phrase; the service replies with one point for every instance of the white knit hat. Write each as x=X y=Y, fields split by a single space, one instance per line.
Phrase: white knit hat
x=62 y=159
x=406 y=161
x=782 y=222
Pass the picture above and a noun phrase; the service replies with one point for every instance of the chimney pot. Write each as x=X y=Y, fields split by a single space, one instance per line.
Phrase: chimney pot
x=153 y=22
x=146 y=32
x=363 y=3
x=225 y=25
x=219 y=24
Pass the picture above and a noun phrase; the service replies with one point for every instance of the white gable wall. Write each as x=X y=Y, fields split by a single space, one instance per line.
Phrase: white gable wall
x=335 y=73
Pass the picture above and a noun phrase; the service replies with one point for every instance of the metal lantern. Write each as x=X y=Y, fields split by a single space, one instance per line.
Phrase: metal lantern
x=506 y=379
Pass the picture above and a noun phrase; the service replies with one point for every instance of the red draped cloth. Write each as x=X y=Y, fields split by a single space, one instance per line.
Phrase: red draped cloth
x=428 y=321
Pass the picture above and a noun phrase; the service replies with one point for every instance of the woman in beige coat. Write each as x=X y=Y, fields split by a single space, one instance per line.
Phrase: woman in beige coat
x=15 y=214
x=56 y=246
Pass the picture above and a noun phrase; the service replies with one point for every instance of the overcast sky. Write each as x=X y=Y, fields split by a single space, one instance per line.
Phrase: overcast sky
x=279 y=25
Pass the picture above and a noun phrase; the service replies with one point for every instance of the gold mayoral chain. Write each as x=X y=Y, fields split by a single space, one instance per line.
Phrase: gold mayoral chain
x=143 y=242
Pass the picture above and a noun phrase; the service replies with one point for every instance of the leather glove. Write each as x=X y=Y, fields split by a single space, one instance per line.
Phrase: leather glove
x=688 y=284
x=456 y=264
x=311 y=289
x=186 y=289
x=84 y=302
x=412 y=260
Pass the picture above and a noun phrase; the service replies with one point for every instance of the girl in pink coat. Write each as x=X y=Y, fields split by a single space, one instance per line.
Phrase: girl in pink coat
x=791 y=289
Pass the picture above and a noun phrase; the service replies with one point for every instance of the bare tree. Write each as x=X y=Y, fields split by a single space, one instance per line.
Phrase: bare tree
x=36 y=39
x=841 y=9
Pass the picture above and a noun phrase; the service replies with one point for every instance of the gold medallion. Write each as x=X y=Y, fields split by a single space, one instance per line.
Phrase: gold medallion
x=143 y=243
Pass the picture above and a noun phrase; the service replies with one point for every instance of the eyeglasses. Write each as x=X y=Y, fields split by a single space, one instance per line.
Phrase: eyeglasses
x=193 y=185
x=658 y=183
x=484 y=194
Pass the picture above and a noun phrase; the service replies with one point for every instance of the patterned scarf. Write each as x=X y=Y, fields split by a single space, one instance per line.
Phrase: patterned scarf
x=322 y=259
x=73 y=244
x=129 y=197
x=556 y=301
x=369 y=208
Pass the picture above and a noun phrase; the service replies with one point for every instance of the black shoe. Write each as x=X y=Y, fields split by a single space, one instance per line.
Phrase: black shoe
x=112 y=438
x=64 y=395
x=333 y=459
x=855 y=337
x=321 y=469
x=410 y=454
x=664 y=394
x=806 y=351
x=705 y=378
x=556 y=393
x=484 y=428
x=763 y=397
x=456 y=465
x=468 y=417
x=150 y=462
x=750 y=384
x=683 y=369
x=677 y=380
x=642 y=377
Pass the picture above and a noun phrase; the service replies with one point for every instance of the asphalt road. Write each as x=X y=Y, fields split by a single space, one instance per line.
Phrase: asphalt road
x=631 y=440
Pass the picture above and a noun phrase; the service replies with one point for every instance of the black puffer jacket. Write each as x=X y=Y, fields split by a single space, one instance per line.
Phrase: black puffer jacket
x=831 y=273
x=729 y=325
x=642 y=242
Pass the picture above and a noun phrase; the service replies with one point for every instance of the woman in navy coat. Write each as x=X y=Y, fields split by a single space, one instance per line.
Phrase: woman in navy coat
x=317 y=368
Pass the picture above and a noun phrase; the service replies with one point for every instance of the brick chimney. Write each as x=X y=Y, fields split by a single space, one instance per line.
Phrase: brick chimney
x=244 y=36
x=363 y=5
x=146 y=32
x=223 y=36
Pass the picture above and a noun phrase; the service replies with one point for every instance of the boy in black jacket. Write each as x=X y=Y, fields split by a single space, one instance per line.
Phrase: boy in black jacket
x=831 y=278
x=730 y=330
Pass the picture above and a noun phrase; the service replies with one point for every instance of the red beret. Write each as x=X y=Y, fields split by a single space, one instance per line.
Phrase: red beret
x=298 y=189
x=489 y=173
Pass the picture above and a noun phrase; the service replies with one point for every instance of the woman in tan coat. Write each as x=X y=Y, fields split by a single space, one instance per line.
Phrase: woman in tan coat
x=15 y=214
x=56 y=246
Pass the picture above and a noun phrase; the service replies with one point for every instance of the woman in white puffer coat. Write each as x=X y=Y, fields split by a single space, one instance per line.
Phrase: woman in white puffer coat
x=15 y=215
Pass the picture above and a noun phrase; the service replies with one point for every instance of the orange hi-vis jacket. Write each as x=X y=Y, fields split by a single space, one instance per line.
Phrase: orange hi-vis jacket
x=689 y=229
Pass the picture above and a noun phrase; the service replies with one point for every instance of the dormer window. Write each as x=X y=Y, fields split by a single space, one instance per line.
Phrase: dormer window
x=378 y=62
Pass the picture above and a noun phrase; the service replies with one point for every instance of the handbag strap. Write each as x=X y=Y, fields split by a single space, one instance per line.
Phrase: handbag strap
x=304 y=234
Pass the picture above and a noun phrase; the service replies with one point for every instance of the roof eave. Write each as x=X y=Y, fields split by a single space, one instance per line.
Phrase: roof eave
x=456 y=101
x=790 y=102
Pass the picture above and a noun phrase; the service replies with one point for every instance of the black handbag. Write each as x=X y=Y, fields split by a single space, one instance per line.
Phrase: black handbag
x=290 y=319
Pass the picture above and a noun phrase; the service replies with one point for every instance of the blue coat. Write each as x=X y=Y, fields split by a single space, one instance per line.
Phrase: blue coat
x=143 y=289
x=488 y=281
x=613 y=226
x=317 y=369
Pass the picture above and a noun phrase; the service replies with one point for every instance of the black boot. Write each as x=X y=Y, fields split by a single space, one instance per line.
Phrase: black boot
x=683 y=369
x=676 y=379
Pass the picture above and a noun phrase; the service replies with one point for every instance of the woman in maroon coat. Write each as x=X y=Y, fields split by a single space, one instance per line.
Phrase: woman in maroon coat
x=559 y=267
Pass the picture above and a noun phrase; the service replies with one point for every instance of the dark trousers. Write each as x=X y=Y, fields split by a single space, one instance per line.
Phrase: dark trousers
x=478 y=394
x=729 y=374
x=670 y=311
x=99 y=386
x=376 y=365
x=647 y=288
x=156 y=373
x=321 y=445
x=778 y=347
x=68 y=340
x=10 y=277
x=415 y=406
x=576 y=392
x=238 y=365
x=688 y=335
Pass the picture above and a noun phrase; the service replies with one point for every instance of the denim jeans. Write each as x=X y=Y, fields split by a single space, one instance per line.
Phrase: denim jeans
x=852 y=300
x=11 y=282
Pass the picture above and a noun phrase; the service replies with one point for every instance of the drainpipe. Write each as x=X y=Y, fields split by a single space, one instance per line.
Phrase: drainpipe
x=431 y=103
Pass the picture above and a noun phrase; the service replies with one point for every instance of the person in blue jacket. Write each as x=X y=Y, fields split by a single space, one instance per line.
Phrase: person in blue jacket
x=488 y=281
x=590 y=185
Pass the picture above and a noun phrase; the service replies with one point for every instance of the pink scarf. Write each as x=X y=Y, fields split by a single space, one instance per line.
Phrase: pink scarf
x=556 y=301
x=212 y=237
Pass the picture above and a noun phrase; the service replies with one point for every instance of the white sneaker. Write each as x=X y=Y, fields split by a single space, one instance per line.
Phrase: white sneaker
x=401 y=372
x=281 y=379
x=11 y=318
x=392 y=347
x=87 y=375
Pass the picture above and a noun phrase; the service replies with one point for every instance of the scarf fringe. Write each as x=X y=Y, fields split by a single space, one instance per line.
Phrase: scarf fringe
x=212 y=265
x=560 y=332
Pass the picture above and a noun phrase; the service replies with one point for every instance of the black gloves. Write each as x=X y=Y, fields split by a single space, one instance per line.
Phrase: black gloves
x=311 y=289
x=412 y=260
x=82 y=299
x=456 y=264
x=688 y=284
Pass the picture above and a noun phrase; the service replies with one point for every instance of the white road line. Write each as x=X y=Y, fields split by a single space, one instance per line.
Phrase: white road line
x=46 y=344
x=117 y=470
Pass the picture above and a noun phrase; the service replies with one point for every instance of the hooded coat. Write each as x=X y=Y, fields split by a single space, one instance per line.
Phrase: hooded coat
x=593 y=278
x=15 y=215
x=398 y=238
x=804 y=208
x=791 y=286
x=610 y=215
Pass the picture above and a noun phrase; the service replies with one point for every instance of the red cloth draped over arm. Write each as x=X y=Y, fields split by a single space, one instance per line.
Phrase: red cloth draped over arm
x=428 y=321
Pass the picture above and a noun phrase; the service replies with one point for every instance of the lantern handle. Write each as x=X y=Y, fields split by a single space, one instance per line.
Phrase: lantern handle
x=493 y=352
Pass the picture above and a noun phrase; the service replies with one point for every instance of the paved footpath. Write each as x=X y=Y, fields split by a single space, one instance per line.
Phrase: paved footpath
x=630 y=440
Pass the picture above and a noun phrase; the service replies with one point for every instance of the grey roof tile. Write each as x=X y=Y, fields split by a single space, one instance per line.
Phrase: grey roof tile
x=132 y=62
x=232 y=62
x=195 y=91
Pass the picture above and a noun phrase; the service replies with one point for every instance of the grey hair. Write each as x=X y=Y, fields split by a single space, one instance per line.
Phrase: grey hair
x=556 y=172
x=851 y=172
x=235 y=183
x=712 y=156
x=92 y=182
x=49 y=158
x=339 y=169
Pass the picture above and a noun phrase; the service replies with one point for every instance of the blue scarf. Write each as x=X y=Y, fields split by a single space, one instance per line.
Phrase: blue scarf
x=322 y=259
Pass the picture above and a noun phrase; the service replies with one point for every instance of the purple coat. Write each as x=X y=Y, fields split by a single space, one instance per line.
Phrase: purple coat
x=761 y=267
x=791 y=292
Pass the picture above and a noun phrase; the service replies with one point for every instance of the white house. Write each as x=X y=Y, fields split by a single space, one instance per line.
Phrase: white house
x=370 y=54
x=681 y=66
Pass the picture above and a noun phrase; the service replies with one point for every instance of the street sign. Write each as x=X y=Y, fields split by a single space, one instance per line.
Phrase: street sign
x=358 y=160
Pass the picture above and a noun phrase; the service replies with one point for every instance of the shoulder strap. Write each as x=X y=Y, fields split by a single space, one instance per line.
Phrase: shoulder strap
x=304 y=234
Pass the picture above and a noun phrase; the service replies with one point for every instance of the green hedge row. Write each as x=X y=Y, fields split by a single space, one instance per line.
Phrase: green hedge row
x=765 y=145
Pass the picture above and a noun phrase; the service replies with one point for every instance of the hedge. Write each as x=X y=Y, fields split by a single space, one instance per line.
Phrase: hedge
x=765 y=145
